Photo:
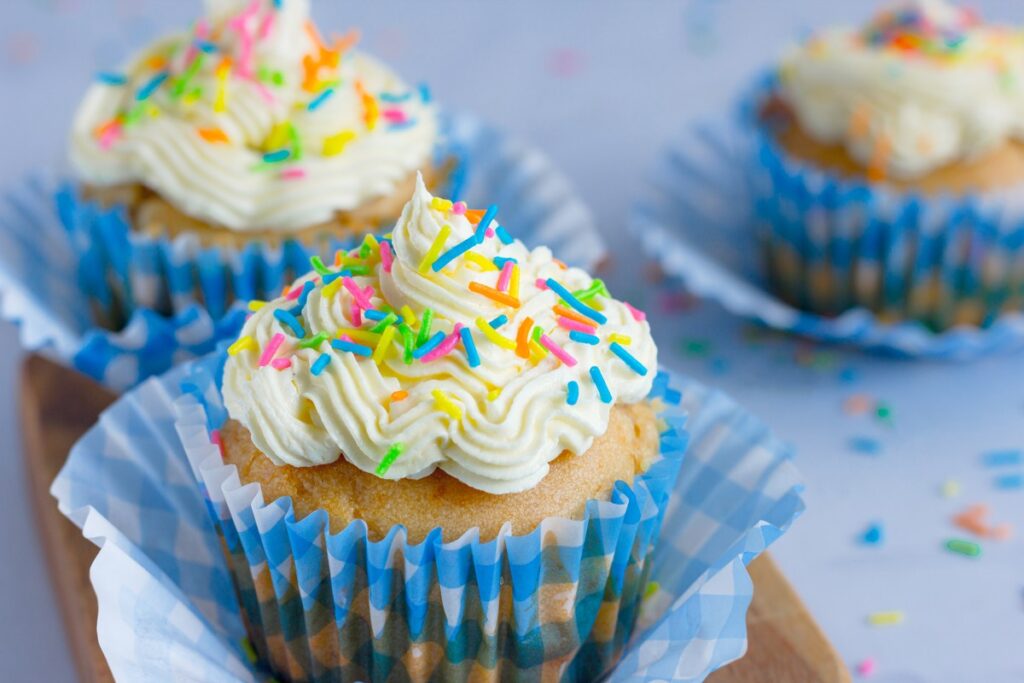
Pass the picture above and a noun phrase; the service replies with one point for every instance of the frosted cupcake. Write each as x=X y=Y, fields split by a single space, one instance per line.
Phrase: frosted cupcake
x=479 y=402
x=891 y=156
x=253 y=128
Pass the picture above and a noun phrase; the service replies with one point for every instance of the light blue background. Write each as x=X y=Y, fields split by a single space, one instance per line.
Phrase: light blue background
x=600 y=86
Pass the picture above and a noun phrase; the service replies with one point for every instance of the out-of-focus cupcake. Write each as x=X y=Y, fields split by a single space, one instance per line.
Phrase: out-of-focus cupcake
x=251 y=131
x=481 y=403
x=890 y=157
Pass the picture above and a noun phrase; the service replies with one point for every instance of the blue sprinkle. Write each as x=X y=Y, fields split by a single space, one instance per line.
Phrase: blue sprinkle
x=278 y=155
x=1001 y=458
x=328 y=279
x=873 y=535
x=580 y=307
x=425 y=95
x=374 y=314
x=429 y=345
x=500 y=261
x=352 y=347
x=503 y=235
x=719 y=365
x=322 y=362
x=1009 y=481
x=628 y=358
x=111 y=78
x=288 y=320
x=572 y=393
x=849 y=375
x=485 y=222
x=499 y=321
x=467 y=342
x=394 y=98
x=453 y=253
x=205 y=46
x=154 y=83
x=300 y=301
x=583 y=337
x=865 y=445
x=602 y=386
x=402 y=125
x=672 y=397
x=315 y=103
x=278 y=3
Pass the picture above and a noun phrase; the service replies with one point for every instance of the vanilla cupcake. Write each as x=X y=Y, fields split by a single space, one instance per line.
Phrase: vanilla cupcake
x=251 y=130
x=480 y=402
x=889 y=160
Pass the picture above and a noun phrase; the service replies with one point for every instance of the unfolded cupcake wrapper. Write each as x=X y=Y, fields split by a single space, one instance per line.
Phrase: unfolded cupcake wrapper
x=167 y=605
x=70 y=273
x=557 y=603
x=834 y=243
x=723 y=194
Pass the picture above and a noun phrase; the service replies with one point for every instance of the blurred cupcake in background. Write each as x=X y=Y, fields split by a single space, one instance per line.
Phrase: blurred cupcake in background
x=890 y=164
x=239 y=148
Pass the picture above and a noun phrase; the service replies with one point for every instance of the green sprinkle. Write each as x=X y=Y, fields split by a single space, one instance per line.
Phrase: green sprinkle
x=318 y=265
x=962 y=547
x=250 y=652
x=182 y=82
x=313 y=342
x=425 y=321
x=359 y=270
x=537 y=332
x=883 y=411
x=696 y=347
x=293 y=135
x=389 y=459
x=364 y=250
x=385 y=322
x=408 y=341
x=652 y=588
x=596 y=287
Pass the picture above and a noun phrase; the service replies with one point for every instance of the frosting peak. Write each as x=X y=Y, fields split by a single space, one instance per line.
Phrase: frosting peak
x=446 y=345
x=253 y=120
x=922 y=85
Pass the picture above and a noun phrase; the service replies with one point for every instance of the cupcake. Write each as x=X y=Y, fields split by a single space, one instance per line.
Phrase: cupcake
x=250 y=135
x=476 y=409
x=889 y=160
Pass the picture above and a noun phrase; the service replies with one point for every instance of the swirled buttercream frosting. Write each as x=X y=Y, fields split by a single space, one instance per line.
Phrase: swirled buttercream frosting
x=446 y=345
x=923 y=85
x=253 y=120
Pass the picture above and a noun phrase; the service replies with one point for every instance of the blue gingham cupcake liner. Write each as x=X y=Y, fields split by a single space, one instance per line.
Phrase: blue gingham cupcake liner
x=65 y=265
x=168 y=610
x=737 y=220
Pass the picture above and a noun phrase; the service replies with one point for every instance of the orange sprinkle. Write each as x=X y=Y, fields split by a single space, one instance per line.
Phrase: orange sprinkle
x=156 y=62
x=371 y=110
x=860 y=121
x=104 y=128
x=399 y=396
x=494 y=295
x=879 y=158
x=560 y=264
x=346 y=42
x=474 y=215
x=213 y=134
x=523 y=338
x=572 y=315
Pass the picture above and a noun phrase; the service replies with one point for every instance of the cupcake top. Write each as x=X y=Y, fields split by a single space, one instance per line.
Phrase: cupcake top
x=253 y=120
x=446 y=345
x=923 y=85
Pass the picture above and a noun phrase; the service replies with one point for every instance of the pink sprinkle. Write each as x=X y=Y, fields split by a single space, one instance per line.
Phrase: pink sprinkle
x=346 y=338
x=355 y=314
x=459 y=208
x=359 y=296
x=570 y=324
x=638 y=315
x=541 y=283
x=506 y=275
x=281 y=363
x=267 y=25
x=557 y=351
x=386 y=257
x=293 y=293
x=489 y=232
x=867 y=667
x=110 y=136
x=267 y=96
x=445 y=347
x=215 y=437
x=293 y=173
x=393 y=115
x=271 y=348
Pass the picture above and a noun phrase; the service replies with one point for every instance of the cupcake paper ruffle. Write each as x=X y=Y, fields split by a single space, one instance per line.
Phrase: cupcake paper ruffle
x=168 y=610
x=725 y=192
x=64 y=265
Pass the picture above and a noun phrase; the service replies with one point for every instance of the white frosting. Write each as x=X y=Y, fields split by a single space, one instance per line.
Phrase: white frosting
x=228 y=183
x=908 y=110
x=501 y=443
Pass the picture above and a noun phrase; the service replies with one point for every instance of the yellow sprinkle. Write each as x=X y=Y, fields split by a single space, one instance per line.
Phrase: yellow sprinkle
x=278 y=137
x=494 y=336
x=435 y=249
x=889 y=618
x=493 y=393
x=243 y=343
x=439 y=204
x=407 y=315
x=652 y=588
x=445 y=404
x=950 y=488
x=335 y=144
x=384 y=344
x=620 y=338
x=256 y=305
x=537 y=352
x=482 y=262
x=331 y=289
x=361 y=336
x=513 y=282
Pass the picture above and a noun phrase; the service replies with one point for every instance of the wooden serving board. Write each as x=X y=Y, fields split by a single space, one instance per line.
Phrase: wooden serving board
x=58 y=405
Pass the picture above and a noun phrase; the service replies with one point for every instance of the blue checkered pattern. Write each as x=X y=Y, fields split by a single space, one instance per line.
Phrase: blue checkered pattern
x=167 y=609
x=723 y=190
x=63 y=263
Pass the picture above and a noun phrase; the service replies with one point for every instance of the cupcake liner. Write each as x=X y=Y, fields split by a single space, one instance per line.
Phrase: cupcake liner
x=168 y=610
x=846 y=262
x=558 y=602
x=66 y=267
